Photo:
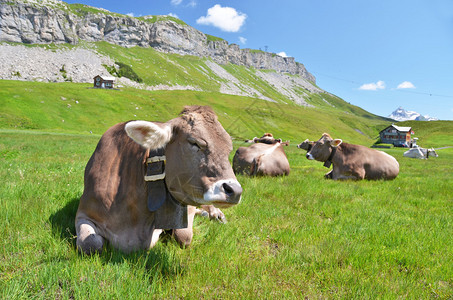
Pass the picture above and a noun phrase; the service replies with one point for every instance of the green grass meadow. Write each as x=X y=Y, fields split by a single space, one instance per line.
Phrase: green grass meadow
x=290 y=237
x=293 y=237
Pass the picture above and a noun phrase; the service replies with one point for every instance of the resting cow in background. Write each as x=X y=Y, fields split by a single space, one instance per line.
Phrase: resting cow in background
x=185 y=164
x=265 y=157
x=421 y=153
x=353 y=161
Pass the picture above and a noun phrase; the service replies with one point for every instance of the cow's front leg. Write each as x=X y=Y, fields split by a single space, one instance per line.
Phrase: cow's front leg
x=184 y=235
x=88 y=240
x=213 y=212
x=351 y=175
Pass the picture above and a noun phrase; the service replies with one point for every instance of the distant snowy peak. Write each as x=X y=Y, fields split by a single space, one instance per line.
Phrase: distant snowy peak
x=400 y=114
x=426 y=118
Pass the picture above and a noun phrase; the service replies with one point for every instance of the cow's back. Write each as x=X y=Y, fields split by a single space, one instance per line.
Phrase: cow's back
x=385 y=166
x=414 y=153
x=261 y=159
x=273 y=163
x=114 y=196
x=376 y=164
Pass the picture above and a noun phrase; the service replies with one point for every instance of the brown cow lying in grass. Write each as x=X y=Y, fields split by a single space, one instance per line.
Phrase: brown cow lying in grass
x=146 y=177
x=265 y=157
x=353 y=161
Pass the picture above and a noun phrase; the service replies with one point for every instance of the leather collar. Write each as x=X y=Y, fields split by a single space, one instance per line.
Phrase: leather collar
x=155 y=178
x=169 y=213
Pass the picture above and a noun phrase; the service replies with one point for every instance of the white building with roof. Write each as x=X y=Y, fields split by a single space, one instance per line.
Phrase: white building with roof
x=396 y=135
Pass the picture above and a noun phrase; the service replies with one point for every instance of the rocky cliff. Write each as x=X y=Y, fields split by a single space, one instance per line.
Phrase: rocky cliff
x=53 y=21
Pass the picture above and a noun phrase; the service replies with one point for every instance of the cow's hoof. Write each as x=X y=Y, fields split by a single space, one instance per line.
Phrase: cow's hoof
x=213 y=213
x=217 y=214
x=91 y=245
x=222 y=219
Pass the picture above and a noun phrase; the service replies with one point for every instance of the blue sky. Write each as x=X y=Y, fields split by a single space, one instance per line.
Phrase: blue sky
x=378 y=55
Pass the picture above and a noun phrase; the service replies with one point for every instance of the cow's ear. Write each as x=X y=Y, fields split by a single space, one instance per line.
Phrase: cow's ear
x=336 y=142
x=148 y=134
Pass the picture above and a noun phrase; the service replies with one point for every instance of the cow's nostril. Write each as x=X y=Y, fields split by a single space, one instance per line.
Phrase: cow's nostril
x=233 y=191
x=228 y=189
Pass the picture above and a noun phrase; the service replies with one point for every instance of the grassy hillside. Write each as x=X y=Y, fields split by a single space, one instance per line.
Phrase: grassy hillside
x=172 y=69
x=76 y=108
x=154 y=68
x=432 y=133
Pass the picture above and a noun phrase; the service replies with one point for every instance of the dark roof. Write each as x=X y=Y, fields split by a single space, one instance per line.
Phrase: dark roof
x=399 y=128
x=105 y=78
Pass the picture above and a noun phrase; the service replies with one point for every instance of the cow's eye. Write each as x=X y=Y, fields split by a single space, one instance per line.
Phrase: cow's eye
x=195 y=145
x=199 y=144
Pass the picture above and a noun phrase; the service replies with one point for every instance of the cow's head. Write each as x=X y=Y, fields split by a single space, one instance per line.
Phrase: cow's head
x=197 y=147
x=322 y=149
x=306 y=145
x=432 y=153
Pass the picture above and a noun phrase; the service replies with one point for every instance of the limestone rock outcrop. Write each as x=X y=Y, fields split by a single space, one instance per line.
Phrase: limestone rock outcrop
x=54 y=21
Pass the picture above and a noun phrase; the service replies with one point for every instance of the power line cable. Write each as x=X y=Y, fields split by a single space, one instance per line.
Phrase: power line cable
x=422 y=93
x=399 y=90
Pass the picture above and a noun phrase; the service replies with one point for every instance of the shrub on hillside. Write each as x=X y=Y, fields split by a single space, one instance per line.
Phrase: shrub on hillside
x=123 y=70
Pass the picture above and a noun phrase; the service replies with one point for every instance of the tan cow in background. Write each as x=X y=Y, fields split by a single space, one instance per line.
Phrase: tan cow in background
x=266 y=157
x=353 y=161
x=190 y=154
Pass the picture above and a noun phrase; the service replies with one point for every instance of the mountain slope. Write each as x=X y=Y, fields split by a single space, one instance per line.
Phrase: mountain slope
x=155 y=45
x=252 y=91
x=53 y=21
x=157 y=70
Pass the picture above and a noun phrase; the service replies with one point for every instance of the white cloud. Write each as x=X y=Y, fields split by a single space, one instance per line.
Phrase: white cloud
x=173 y=15
x=282 y=54
x=130 y=14
x=224 y=18
x=192 y=3
x=406 y=85
x=243 y=40
x=176 y=2
x=380 y=85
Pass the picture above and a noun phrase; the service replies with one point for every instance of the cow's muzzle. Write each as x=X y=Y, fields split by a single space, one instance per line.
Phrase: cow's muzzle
x=224 y=193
